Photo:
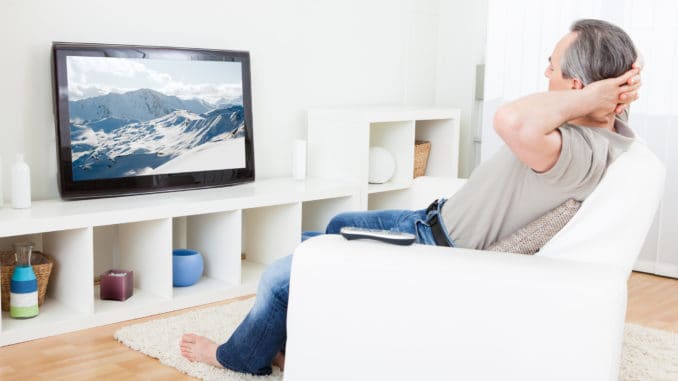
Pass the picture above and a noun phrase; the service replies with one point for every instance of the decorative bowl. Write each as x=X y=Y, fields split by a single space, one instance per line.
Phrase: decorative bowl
x=187 y=267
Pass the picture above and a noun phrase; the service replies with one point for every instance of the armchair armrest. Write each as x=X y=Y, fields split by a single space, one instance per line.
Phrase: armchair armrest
x=363 y=310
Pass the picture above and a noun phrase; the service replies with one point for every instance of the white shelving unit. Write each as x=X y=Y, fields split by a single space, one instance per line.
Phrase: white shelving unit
x=260 y=221
x=238 y=229
x=339 y=140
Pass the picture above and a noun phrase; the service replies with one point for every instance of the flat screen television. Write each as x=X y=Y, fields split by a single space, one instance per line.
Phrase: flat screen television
x=139 y=119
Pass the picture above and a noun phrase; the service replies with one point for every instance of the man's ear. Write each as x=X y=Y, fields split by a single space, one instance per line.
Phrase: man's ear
x=577 y=84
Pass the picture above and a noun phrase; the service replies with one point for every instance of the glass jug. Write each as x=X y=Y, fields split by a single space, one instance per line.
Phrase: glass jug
x=23 y=297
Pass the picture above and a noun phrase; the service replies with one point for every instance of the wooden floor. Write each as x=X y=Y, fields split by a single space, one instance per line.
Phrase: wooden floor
x=93 y=354
x=653 y=302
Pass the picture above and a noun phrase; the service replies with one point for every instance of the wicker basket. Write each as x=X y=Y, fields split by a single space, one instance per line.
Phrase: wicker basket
x=42 y=266
x=421 y=150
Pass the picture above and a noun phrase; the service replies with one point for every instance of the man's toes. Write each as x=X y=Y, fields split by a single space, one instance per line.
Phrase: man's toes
x=188 y=355
x=188 y=338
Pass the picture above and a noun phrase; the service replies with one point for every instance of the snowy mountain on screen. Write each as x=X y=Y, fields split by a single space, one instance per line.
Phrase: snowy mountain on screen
x=222 y=102
x=140 y=105
x=126 y=134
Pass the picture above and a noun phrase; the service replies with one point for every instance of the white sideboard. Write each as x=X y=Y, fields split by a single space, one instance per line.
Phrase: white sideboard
x=238 y=229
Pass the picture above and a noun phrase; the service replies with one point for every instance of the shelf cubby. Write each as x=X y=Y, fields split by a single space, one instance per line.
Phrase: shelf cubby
x=442 y=160
x=68 y=296
x=217 y=236
x=143 y=247
x=271 y=232
x=316 y=214
x=394 y=199
x=398 y=139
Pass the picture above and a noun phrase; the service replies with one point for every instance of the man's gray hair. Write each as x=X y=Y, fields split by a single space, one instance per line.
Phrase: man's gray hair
x=600 y=51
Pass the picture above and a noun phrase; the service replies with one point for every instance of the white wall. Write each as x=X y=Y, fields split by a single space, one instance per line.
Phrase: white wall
x=462 y=28
x=304 y=53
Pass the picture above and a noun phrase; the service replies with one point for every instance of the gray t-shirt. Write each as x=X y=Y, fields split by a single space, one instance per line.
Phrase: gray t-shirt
x=503 y=194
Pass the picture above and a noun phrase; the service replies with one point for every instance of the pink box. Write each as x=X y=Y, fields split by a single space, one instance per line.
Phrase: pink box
x=116 y=285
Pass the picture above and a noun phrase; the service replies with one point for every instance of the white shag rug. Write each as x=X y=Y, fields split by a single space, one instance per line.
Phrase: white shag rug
x=648 y=354
x=160 y=339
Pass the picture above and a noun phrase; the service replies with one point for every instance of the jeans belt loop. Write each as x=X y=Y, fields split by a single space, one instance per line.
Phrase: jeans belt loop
x=439 y=235
x=433 y=207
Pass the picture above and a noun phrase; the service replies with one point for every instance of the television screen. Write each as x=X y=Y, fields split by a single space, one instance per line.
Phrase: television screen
x=136 y=119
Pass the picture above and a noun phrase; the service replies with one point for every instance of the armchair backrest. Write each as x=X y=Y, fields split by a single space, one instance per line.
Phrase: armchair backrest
x=613 y=222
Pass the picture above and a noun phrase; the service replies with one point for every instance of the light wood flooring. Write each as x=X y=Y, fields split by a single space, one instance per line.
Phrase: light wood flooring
x=93 y=354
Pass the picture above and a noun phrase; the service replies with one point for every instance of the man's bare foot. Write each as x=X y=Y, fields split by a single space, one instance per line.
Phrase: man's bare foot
x=279 y=360
x=200 y=349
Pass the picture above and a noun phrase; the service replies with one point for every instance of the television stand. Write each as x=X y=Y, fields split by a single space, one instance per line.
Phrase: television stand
x=260 y=221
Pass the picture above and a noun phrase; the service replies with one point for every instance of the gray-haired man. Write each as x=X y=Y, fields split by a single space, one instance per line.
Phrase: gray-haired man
x=559 y=142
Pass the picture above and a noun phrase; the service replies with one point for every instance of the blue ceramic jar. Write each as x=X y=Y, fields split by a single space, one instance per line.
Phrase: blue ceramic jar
x=187 y=267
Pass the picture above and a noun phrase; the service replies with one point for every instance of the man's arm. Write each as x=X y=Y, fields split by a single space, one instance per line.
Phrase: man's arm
x=529 y=125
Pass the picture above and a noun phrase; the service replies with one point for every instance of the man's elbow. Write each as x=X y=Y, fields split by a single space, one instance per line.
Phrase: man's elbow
x=506 y=122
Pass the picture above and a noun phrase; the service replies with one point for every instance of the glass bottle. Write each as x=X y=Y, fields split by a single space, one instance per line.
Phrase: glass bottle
x=23 y=299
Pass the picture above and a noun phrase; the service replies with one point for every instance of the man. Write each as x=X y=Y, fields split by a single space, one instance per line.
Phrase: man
x=559 y=144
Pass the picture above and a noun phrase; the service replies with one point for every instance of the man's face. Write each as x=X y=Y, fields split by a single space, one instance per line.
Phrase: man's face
x=553 y=72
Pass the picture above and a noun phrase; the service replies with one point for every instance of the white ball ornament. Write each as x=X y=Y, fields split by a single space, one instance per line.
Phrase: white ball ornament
x=382 y=165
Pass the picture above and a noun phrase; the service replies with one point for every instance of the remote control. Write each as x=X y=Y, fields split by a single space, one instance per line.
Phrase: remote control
x=388 y=236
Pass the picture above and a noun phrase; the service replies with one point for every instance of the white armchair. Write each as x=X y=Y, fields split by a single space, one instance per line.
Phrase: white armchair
x=363 y=310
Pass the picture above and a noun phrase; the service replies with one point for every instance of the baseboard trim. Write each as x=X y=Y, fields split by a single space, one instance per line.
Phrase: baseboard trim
x=644 y=266
x=652 y=267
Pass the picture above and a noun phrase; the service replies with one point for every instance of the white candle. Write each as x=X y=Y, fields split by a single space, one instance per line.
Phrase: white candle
x=21 y=184
x=299 y=160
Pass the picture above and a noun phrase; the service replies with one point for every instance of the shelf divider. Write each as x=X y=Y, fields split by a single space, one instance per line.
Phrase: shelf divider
x=72 y=274
x=146 y=248
x=271 y=232
x=217 y=236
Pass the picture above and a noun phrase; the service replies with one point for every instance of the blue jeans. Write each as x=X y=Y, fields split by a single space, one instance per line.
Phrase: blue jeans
x=263 y=332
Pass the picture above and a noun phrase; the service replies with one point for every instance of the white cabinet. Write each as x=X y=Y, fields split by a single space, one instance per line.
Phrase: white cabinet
x=238 y=230
x=339 y=142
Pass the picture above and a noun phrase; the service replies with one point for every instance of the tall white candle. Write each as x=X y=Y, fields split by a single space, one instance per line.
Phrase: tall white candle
x=299 y=160
x=21 y=184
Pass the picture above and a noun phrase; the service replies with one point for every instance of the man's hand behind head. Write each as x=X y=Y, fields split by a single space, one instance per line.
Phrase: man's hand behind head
x=630 y=96
x=608 y=94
